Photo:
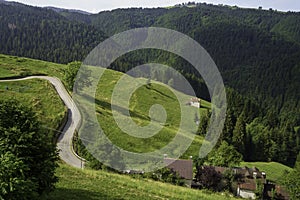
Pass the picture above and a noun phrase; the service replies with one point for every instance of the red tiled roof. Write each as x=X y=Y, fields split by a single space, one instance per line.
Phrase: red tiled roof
x=183 y=167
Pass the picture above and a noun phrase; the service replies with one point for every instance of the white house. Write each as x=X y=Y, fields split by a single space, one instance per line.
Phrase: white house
x=195 y=102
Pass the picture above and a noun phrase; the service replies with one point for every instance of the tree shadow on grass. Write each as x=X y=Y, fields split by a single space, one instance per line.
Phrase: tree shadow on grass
x=119 y=109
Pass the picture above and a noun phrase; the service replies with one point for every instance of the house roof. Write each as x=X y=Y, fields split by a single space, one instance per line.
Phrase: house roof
x=249 y=184
x=183 y=167
x=195 y=100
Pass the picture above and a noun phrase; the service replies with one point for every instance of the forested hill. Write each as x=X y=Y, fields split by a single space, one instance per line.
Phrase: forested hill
x=44 y=34
x=257 y=52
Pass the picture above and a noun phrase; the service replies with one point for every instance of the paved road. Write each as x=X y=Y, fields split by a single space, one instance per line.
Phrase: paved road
x=64 y=143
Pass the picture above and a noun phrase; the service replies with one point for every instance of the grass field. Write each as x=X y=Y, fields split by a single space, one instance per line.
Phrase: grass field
x=77 y=184
x=274 y=170
x=40 y=96
x=140 y=103
x=16 y=66
x=35 y=92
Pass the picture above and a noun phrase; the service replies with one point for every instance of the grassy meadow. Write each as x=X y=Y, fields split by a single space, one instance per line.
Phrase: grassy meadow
x=12 y=66
x=41 y=96
x=77 y=184
x=274 y=171
x=139 y=106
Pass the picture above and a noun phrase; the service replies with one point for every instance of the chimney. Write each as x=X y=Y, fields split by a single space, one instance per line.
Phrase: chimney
x=191 y=157
x=165 y=155
x=264 y=175
x=254 y=175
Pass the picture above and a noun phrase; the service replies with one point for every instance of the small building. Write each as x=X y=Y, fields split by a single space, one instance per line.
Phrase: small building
x=184 y=168
x=247 y=189
x=195 y=102
x=247 y=180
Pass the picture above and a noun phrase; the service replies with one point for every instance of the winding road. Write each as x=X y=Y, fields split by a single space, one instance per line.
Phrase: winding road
x=64 y=142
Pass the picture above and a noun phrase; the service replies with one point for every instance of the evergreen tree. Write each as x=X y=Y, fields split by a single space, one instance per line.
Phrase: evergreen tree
x=239 y=134
x=228 y=126
x=204 y=123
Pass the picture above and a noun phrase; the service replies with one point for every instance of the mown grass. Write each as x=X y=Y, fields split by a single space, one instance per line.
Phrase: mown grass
x=274 y=171
x=77 y=184
x=40 y=96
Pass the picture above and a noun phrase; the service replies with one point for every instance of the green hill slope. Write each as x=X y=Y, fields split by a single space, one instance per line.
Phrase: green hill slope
x=274 y=171
x=89 y=184
x=79 y=184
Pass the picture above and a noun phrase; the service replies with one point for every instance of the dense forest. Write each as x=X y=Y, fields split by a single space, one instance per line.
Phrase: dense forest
x=257 y=52
x=43 y=34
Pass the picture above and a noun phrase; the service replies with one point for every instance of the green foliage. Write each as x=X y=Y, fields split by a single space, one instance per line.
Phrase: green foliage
x=292 y=181
x=225 y=156
x=27 y=149
x=204 y=123
x=239 y=134
x=13 y=182
x=72 y=74
x=166 y=175
x=259 y=190
x=208 y=178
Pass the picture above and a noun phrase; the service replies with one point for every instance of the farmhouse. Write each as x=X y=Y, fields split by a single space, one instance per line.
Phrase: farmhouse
x=184 y=168
x=195 y=102
x=248 y=180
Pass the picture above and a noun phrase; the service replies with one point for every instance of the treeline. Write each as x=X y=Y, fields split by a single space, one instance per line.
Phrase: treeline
x=256 y=133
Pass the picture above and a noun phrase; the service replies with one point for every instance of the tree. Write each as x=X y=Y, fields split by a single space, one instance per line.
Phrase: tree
x=204 y=122
x=166 y=175
x=83 y=76
x=13 y=182
x=225 y=156
x=208 y=177
x=28 y=153
x=292 y=180
x=228 y=126
x=239 y=134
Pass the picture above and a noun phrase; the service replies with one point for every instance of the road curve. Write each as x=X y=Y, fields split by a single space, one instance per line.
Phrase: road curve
x=64 y=143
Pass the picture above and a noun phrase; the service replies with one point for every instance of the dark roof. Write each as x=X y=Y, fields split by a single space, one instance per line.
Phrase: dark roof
x=183 y=167
x=249 y=184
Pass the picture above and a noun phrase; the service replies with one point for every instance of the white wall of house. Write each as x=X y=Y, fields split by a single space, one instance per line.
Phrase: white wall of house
x=245 y=194
x=195 y=104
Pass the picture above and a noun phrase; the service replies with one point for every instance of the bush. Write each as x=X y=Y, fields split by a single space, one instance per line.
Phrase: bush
x=28 y=156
